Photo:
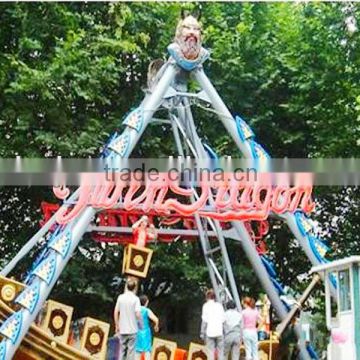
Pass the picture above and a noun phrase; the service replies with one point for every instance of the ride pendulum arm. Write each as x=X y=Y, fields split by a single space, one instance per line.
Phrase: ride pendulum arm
x=219 y=282
x=243 y=137
x=32 y=242
x=215 y=277
x=185 y=124
x=45 y=275
x=241 y=233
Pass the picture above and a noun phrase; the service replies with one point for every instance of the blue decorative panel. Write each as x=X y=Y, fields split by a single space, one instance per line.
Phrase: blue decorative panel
x=135 y=119
x=321 y=247
x=312 y=352
x=278 y=286
x=244 y=130
x=269 y=266
x=211 y=152
x=318 y=248
x=30 y=296
x=111 y=155
x=288 y=308
x=106 y=152
x=61 y=243
x=120 y=144
x=258 y=151
x=303 y=223
x=3 y=350
x=46 y=269
x=12 y=327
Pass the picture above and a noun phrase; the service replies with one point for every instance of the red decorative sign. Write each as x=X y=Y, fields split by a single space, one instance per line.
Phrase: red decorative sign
x=225 y=200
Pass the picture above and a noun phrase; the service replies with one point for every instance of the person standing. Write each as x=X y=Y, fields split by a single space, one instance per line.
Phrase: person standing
x=251 y=318
x=144 y=337
x=232 y=331
x=213 y=318
x=127 y=319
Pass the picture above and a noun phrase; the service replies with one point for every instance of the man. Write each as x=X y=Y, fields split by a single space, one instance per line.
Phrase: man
x=127 y=316
x=232 y=330
x=213 y=318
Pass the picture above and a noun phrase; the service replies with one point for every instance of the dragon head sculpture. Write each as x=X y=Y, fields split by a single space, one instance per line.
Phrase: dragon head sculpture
x=188 y=37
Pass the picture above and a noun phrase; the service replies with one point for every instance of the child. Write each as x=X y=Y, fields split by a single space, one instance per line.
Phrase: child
x=250 y=317
x=144 y=337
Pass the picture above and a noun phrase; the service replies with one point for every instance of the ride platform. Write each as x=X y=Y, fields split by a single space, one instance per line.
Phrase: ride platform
x=38 y=343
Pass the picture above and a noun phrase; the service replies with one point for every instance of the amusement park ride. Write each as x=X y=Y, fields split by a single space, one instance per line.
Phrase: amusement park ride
x=213 y=213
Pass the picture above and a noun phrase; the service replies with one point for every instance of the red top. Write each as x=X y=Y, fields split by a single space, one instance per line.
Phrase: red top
x=140 y=237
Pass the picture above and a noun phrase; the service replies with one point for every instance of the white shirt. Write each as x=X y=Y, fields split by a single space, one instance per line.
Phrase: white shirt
x=213 y=315
x=128 y=304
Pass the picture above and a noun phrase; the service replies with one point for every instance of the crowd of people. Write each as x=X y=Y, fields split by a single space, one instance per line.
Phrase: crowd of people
x=223 y=331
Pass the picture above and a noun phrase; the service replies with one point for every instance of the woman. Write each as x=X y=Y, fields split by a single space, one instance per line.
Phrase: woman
x=251 y=318
x=143 y=336
x=142 y=232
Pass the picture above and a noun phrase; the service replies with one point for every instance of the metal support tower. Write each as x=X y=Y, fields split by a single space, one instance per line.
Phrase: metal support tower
x=170 y=92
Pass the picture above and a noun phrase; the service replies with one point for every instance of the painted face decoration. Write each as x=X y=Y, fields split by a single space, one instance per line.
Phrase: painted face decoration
x=188 y=37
